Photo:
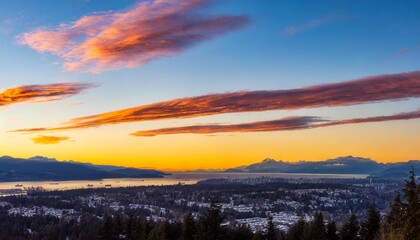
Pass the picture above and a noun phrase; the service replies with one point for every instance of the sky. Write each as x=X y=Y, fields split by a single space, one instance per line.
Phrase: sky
x=209 y=84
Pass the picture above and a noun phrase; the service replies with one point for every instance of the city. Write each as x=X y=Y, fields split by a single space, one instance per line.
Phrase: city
x=250 y=202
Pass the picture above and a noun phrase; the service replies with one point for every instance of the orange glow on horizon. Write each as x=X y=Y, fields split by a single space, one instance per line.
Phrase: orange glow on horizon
x=190 y=152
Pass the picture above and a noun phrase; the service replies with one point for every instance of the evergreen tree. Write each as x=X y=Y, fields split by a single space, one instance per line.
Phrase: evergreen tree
x=160 y=231
x=118 y=227
x=130 y=232
x=332 y=231
x=317 y=228
x=188 y=227
x=412 y=223
x=271 y=229
x=298 y=230
x=241 y=232
x=143 y=229
x=350 y=229
x=209 y=226
x=106 y=230
x=214 y=219
x=370 y=227
x=258 y=236
x=396 y=216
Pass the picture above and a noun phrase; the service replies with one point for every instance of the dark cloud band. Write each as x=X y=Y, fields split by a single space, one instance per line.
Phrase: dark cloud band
x=291 y=123
x=366 y=90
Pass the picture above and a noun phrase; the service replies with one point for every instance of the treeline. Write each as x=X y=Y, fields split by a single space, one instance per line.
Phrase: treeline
x=401 y=223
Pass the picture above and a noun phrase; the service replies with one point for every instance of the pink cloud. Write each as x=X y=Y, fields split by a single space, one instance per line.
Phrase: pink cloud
x=149 y=30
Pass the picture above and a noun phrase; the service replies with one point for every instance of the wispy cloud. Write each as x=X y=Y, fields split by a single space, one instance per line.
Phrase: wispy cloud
x=5 y=26
x=284 y=124
x=403 y=51
x=399 y=116
x=36 y=93
x=365 y=90
x=294 y=29
x=48 y=139
x=149 y=30
x=288 y=123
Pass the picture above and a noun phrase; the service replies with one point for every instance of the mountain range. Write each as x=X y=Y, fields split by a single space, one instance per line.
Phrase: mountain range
x=340 y=165
x=49 y=169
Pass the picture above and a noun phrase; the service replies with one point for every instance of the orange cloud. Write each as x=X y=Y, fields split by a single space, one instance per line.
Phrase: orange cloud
x=366 y=90
x=49 y=92
x=289 y=123
x=48 y=139
x=149 y=30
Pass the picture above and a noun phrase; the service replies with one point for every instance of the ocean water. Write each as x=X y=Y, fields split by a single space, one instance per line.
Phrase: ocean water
x=174 y=178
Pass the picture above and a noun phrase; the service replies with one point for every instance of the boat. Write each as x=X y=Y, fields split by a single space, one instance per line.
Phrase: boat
x=18 y=185
x=108 y=185
x=90 y=185
x=54 y=183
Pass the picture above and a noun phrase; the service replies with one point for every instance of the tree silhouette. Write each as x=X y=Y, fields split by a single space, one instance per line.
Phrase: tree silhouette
x=209 y=227
x=332 y=231
x=118 y=227
x=412 y=223
x=106 y=230
x=271 y=229
x=317 y=228
x=396 y=216
x=160 y=231
x=188 y=227
x=350 y=229
x=298 y=230
x=130 y=228
x=370 y=227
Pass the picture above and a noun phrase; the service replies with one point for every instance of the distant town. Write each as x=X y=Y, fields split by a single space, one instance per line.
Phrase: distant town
x=249 y=202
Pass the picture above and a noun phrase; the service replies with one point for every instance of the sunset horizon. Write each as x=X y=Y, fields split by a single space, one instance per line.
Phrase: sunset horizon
x=98 y=89
x=209 y=120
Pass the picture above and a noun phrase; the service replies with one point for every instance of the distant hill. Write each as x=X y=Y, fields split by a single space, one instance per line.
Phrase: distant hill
x=49 y=169
x=398 y=169
x=340 y=165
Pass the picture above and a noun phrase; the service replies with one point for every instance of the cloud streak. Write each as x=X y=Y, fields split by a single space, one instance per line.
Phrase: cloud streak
x=48 y=139
x=294 y=29
x=395 y=117
x=288 y=123
x=131 y=38
x=284 y=124
x=365 y=90
x=37 y=93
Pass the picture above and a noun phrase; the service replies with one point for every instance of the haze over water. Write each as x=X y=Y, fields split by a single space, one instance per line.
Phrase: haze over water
x=175 y=178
